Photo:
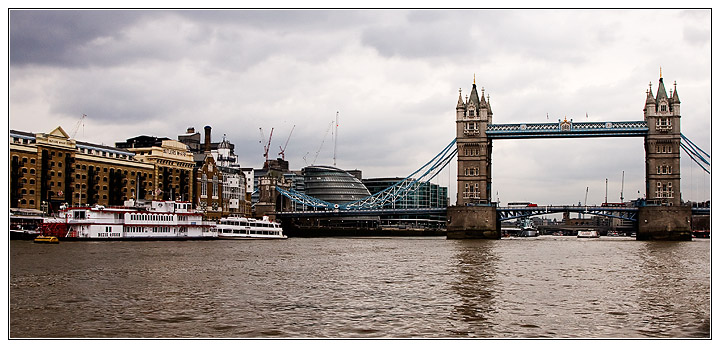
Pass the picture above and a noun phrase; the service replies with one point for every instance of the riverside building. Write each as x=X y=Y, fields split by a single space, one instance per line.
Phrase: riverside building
x=172 y=165
x=427 y=196
x=218 y=161
x=50 y=169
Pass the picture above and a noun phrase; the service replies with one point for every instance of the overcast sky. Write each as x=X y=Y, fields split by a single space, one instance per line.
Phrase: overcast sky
x=393 y=76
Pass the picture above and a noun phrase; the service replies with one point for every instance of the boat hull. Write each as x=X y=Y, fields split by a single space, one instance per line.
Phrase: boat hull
x=23 y=235
x=250 y=237
x=138 y=239
x=47 y=240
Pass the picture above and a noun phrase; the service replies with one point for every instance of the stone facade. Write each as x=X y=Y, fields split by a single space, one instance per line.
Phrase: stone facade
x=208 y=187
x=50 y=169
x=468 y=222
x=664 y=223
x=662 y=146
x=233 y=200
x=172 y=163
x=474 y=154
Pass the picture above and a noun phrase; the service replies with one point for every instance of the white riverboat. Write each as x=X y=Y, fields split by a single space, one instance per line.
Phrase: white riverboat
x=247 y=228
x=136 y=220
x=588 y=234
x=25 y=226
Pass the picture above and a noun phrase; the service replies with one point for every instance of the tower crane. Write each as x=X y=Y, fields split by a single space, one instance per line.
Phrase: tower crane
x=282 y=148
x=77 y=126
x=322 y=143
x=266 y=148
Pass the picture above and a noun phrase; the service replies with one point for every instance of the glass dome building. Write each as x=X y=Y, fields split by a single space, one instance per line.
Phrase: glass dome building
x=333 y=185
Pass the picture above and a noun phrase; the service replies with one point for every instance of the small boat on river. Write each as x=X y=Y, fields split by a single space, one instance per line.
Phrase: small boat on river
x=528 y=230
x=46 y=239
x=247 y=228
x=588 y=234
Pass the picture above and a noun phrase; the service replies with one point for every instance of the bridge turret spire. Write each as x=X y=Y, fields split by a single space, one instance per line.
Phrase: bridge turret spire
x=675 y=98
x=649 y=100
x=661 y=94
x=474 y=99
x=489 y=108
x=460 y=103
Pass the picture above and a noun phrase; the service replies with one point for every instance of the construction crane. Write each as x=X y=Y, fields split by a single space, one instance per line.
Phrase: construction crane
x=266 y=148
x=282 y=148
x=322 y=143
x=77 y=126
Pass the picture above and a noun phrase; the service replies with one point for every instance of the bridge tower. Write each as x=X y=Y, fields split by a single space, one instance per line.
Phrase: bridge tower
x=474 y=149
x=473 y=216
x=663 y=217
x=662 y=146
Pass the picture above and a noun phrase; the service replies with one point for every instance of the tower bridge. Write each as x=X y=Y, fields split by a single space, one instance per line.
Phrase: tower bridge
x=661 y=217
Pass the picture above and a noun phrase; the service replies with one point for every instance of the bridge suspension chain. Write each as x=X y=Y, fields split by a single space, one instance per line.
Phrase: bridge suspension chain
x=695 y=153
x=408 y=185
x=394 y=193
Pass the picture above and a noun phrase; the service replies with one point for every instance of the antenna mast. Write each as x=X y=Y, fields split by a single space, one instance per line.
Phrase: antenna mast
x=337 y=113
x=622 y=188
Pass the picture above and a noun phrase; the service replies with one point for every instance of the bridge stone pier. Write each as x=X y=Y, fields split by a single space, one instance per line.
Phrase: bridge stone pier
x=472 y=222
x=663 y=217
x=664 y=223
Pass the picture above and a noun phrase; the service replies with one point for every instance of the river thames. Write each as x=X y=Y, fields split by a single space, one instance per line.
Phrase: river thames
x=544 y=287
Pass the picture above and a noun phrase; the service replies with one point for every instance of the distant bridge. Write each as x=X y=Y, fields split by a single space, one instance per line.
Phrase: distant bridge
x=504 y=213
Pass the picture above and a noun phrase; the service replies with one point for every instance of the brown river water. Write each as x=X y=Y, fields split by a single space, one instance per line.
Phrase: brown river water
x=544 y=287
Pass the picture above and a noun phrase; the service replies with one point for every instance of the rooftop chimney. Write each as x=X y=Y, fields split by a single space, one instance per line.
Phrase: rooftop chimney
x=207 y=138
x=191 y=130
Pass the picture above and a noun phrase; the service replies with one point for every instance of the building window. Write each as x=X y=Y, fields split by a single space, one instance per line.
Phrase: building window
x=663 y=124
x=215 y=186
x=471 y=128
x=203 y=185
x=664 y=190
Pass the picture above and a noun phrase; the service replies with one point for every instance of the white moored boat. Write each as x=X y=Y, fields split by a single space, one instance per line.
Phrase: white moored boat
x=141 y=220
x=247 y=228
x=588 y=234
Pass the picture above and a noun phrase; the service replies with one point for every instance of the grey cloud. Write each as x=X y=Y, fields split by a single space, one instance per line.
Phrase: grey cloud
x=696 y=36
x=55 y=37
x=415 y=43
x=99 y=37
